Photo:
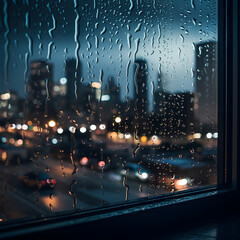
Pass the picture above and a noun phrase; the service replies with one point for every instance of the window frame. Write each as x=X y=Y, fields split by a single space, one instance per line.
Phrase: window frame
x=163 y=212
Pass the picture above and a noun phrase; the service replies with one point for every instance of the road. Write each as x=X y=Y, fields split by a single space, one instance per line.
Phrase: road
x=90 y=189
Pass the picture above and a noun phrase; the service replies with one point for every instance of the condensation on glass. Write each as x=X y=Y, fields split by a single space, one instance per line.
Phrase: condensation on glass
x=105 y=102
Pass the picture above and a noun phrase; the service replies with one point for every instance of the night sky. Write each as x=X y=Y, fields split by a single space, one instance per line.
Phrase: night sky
x=105 y=37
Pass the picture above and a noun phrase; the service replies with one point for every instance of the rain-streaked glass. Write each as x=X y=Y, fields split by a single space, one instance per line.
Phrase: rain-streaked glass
x=105 y=102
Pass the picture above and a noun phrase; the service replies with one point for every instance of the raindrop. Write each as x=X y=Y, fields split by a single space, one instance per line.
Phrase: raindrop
x=103 y=31
x=71 y=193
x=136 y=150
x=51 y=195
x=138 y=28
x=131 y=5
x=129 y=36
x=193 y=4
x=126 y=186
x=49 y=50
x=182 y=38
x=137 y=42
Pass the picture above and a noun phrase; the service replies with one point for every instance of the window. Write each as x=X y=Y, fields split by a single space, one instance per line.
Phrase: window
x=109 y=103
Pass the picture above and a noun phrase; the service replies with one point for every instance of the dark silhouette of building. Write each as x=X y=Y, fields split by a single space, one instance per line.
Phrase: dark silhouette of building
x=141 y=100
x=205 y=101
x=40 y=91
x=74 y=90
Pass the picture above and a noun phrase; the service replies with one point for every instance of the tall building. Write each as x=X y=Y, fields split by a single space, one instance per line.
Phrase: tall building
x=141 y=100
x=205 y=100
x=39 y=89
x=72 y=70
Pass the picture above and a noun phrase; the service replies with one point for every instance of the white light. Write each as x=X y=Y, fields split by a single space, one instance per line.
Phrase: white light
x=215 y=135
x=102 y=126
x=105 y=98
x=197 y=135
x=63 y=80
x=144 y=175
x=93 y=127
x=24 y=126
x=13 y=126
x=209 y=135
x=83 y=129
x=60 y=130
x=5 y=96
x=154 y=137
x=121 y=135
x=54 y=141
x=19 y=126
x=127 y=135
x=4 y=140
x=72 y=129
x=118 y=119
x=181 y=182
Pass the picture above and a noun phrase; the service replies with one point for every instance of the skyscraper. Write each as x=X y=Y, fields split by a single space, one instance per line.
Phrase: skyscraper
x=73 y=84
x=205 y=100
x=141 y=100
x=40 y=90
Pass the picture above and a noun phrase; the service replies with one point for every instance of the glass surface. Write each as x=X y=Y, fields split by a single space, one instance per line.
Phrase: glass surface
x=105 y=102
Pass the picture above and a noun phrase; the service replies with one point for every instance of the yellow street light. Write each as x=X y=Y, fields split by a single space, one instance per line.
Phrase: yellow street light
x=51 y=123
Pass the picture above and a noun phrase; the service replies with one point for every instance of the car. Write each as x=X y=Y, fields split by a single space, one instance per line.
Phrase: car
x=37 y=181
x=135 y=172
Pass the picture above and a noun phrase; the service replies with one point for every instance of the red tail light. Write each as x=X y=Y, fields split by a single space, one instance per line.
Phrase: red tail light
x=101 y=164
x=84 y=161
x=42 y=183
x=51 y=181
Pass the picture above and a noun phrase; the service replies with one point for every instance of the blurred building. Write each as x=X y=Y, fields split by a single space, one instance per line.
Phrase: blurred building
x=73 y=84
x=11 y=106
x=205 y=100
x=141 y=100
x=40 y=89
x=174 y=115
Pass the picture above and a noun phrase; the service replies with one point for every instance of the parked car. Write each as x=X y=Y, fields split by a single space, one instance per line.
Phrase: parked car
x=37 y=180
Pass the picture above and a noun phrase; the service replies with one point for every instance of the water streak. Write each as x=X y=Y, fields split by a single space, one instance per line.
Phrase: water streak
x=127 y=68
x=137 y=41
x=129 y=40
x=103 y=31
x=6 y=46
x=159 y=33
x=101 y=76
x=73 y=194
x=26 y=70
x=193 y=4
x=27 y=19
x=49 y=50
x=136 y=150
x=131 y=5
x=29 y=43
x=46 y=100
x=53 y=27
x=126 y=186
x=135 y=77
x=96 y=41
x=138 y=28
x=76 y=38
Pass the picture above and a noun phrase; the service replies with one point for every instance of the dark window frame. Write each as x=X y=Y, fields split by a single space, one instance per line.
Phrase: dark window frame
x=167 y=212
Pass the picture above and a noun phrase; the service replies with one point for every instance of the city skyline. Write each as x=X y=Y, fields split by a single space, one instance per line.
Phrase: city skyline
x=110 y=46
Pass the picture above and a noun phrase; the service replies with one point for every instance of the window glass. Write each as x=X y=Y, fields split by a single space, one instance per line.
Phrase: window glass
x=105 y=102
